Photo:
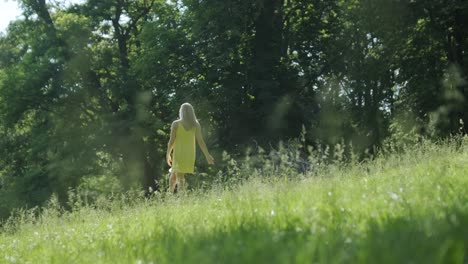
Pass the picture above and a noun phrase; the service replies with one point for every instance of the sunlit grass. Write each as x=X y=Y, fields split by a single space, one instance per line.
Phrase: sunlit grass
x=407 y=208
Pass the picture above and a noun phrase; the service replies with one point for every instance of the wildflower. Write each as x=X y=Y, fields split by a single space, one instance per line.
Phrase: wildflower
x=394 y=196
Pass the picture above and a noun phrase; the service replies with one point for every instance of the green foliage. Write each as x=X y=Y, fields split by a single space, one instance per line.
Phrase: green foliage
x=105 y=79
x=409 y=207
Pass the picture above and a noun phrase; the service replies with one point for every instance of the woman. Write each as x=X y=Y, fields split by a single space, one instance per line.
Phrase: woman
x=184 y=132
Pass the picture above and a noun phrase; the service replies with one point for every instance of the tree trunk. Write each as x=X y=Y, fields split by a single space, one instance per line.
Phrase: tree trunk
x=267 y=48
x=456 y=56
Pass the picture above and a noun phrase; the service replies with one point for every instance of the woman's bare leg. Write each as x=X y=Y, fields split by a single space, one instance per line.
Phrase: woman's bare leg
x=181 y=180
x=172 y=182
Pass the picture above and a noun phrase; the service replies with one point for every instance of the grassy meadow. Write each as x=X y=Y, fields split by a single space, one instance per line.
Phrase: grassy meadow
x=405 y=208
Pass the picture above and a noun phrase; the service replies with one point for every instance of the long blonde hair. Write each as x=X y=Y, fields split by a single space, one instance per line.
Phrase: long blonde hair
x=187 y=115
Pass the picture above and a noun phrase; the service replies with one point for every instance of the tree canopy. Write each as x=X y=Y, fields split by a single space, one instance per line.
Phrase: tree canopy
x=91 y=89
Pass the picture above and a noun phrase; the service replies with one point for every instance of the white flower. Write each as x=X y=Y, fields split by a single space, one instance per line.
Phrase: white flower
x=394 y=196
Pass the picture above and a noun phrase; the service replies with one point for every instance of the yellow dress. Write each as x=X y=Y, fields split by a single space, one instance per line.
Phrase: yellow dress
x=184 y=150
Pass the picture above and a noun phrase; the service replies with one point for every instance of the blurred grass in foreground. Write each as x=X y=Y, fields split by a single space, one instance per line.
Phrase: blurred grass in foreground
x=406 y=208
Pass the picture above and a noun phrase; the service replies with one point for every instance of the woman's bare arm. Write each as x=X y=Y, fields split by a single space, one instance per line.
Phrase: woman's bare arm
x=202 y=144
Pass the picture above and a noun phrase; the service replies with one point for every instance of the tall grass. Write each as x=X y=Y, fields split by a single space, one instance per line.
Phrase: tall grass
x=405 y=208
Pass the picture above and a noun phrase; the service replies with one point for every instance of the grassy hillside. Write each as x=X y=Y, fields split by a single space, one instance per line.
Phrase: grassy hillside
x=407 y=208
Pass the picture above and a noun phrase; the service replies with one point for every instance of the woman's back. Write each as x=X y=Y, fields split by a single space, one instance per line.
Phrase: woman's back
x=184 y=148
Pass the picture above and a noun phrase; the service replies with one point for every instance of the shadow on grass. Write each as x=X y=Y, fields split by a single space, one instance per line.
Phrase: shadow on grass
x=393 y=240
x=420 y=240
